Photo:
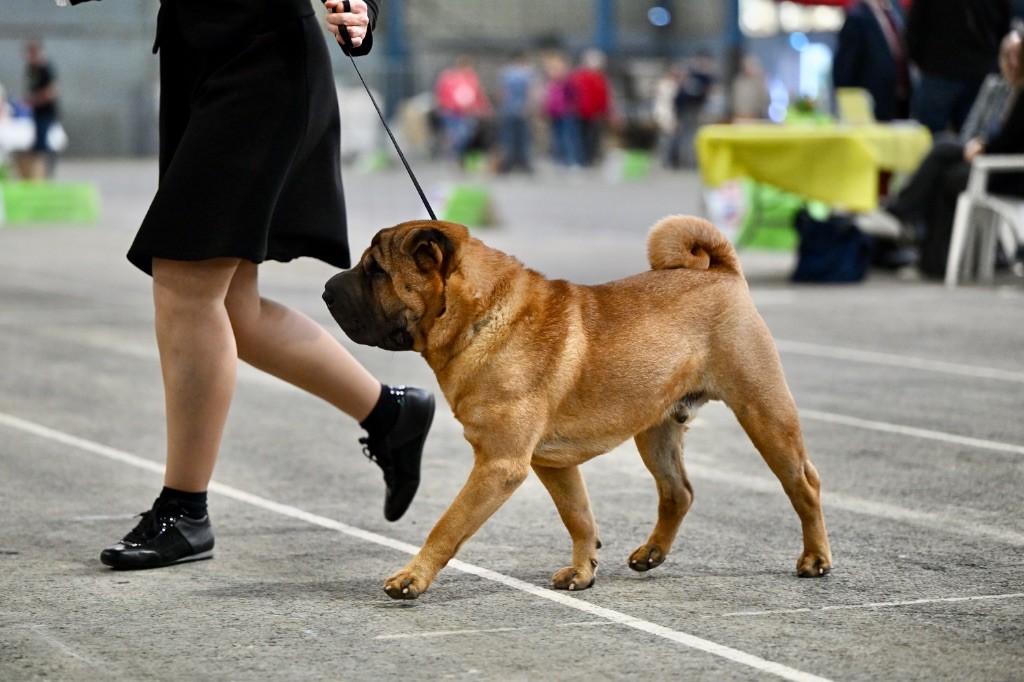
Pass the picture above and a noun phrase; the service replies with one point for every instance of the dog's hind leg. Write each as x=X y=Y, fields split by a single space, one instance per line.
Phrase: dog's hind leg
x=765 y=408
x=570 y=495
x=661 y=448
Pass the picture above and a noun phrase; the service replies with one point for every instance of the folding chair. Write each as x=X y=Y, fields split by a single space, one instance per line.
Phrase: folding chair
x=985 y=221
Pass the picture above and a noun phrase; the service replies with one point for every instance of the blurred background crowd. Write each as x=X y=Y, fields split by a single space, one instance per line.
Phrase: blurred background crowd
x=503 y=86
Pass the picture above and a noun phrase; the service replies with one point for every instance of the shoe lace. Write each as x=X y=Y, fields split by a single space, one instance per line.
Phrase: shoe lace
x=372 y=447
x=146 y=529
x=152 y=522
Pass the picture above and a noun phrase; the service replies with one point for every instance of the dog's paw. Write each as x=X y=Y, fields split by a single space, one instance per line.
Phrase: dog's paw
x=646 y=557
x=811 y=565
x=571 y=578
x=405 y=585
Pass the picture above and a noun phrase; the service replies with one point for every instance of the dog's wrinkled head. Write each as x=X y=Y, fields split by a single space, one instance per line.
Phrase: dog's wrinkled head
x=395 y=291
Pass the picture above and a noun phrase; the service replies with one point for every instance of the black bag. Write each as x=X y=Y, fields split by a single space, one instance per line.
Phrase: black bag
x=831 y=250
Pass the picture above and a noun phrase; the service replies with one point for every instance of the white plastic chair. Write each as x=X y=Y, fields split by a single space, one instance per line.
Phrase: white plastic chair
x=984 y=220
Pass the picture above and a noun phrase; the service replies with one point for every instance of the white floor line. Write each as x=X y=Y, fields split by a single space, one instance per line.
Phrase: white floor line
x=700 y=470
x=250 y=375
x=907 y=362
x=686 y=639
x=43 y=632
x=453 y=633
x=912 y=431
x=878 y=605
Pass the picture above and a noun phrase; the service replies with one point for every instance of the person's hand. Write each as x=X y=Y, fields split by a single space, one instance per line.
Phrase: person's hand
x=973 y=148
x=356 y=20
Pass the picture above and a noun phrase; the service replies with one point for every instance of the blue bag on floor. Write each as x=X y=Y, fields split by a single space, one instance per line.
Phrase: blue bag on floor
x=832 y=249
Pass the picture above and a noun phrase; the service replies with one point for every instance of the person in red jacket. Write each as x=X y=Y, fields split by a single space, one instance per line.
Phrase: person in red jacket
x=593 y=103
x=462 y=103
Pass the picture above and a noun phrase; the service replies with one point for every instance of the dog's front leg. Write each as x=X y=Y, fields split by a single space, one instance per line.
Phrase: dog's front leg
x=490 y=483
x=569 y=493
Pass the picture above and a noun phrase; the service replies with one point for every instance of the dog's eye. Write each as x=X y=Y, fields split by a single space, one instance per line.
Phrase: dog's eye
x=373 y=269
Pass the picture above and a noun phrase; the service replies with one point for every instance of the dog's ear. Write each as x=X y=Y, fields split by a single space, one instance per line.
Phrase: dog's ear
x=431 y=248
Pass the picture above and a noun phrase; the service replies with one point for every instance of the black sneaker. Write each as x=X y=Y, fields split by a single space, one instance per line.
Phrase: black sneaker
x=163 y=537
x=399 y=452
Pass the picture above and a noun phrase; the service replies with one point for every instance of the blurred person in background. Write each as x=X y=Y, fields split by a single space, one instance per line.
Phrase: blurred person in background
x=870 y=54
x=663 y=110
x=954 y=44
x=690 y=102
x=515 y=107
x=41 y=98
x=593 y=103
x=462 y=105
x=923 y=210
x=750 y=95
x=560 y=101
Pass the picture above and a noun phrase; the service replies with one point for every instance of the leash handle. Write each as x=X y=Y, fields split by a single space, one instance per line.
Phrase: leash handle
x=349 y=48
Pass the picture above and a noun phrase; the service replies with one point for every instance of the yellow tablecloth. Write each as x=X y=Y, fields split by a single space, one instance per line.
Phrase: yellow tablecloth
x=836 y=164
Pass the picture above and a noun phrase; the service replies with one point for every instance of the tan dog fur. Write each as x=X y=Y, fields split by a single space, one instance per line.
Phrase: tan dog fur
x=547 y=374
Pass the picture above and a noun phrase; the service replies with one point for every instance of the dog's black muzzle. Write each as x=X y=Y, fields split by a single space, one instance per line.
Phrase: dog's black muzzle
x=353 y=306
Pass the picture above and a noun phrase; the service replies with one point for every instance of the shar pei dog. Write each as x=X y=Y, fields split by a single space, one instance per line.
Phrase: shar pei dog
x=546 y=374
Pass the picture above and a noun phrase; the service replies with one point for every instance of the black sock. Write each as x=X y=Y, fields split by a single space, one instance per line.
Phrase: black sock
x=384 y=414
x=193 y=504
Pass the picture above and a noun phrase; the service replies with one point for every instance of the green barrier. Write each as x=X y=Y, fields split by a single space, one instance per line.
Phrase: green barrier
x=49 y=202
x=376 y=161
x=625 y=165
x=469 y=205
x=768 y=221
x=475 y=162
x=636 y=164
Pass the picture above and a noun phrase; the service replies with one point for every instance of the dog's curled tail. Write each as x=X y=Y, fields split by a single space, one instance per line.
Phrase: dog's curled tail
x=682 y=241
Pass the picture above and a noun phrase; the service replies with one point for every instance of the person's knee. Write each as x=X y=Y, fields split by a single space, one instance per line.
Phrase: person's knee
x=191 y=285
x=243 y=300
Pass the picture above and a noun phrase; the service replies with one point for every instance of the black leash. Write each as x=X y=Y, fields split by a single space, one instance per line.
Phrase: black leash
x=343 y=31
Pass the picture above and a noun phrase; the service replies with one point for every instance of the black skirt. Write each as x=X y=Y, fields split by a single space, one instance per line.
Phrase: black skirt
x=249 y=147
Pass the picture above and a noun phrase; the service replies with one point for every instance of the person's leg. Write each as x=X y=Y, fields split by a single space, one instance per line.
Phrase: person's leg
x=913 y=200
x=573 y=141
x=519 y=156
x=586 y=134
x=506 y=143
x=939 y=220
x=292 y=347
x=932 y=102
x=198 y=361
x=47 y=155
x=558 y=153
x=450 y=123
x=592 y=134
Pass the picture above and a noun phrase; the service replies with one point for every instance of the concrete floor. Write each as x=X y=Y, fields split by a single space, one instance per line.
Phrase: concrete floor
x=910 y=398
